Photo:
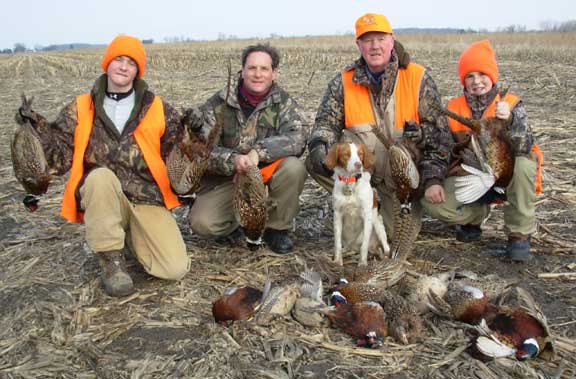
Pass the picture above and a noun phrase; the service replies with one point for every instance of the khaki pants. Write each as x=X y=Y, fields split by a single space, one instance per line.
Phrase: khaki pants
x=212 y=214
x=519 y=209
x=152 y=231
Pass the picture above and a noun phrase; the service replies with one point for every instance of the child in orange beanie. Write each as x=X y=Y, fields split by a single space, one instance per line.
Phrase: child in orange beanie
x=116 y=140
x=478 y=72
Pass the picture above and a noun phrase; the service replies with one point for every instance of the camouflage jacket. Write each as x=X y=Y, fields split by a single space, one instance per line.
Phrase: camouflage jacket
x=519 y=134
x=437 y=139
x=107 y=147
x=275 y=129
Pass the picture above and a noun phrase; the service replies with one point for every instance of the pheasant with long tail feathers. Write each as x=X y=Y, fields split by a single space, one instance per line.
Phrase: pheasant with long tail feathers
x=28 y=158
x=404 y=156
x=187 y=163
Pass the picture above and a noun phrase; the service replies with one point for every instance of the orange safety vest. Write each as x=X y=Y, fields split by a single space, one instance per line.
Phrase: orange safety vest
x=358 y=106
x=147 y=135
x=269 y=170
x=460 y=106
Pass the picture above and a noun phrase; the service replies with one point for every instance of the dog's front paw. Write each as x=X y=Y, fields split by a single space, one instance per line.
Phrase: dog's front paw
x=363 y=262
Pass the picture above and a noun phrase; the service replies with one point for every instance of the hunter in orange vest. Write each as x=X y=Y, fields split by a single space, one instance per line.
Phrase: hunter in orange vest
x=255 y=114
x=478 y=73
x=115 y=141
x=386 y=89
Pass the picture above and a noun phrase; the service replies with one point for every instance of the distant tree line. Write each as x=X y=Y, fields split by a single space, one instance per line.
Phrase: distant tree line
x=546 y=26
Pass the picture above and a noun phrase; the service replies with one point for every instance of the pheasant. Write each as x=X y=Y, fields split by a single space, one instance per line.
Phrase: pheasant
x=187 y=163
x=404 y=322
x=462 y=302
x=28 y=159
x=520 y=332
x=366 y=321
x=382 y=274
x=354 y=292
x=490 y=162
x=249 y=202
x=277 y=300
x=404 y=156
x=306 y=308
x=238 y=303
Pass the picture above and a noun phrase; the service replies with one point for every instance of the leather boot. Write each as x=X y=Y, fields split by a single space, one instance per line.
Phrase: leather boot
x=115 y=279
x=519 y=248
x=468 y=233
x=278 y=240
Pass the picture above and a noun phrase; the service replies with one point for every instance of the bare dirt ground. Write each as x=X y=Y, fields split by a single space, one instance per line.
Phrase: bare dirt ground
x=56 y=322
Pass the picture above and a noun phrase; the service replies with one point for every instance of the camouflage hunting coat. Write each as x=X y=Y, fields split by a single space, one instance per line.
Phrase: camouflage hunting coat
x=275 y=129
x=436 y=140
x=107 y=147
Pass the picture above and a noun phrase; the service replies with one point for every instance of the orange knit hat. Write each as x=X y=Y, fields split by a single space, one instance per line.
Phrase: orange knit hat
x=479 y=57
x=372 y=22
x=129 y=46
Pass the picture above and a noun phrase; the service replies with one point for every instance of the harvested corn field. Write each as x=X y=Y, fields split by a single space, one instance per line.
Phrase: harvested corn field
x=56 y=321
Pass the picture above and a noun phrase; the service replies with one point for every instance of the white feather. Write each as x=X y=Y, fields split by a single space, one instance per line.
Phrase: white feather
x=492 y=347
x=471 y=187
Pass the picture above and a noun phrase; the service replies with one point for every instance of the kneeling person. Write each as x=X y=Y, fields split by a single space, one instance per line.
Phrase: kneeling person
x=114 y=140
x=258 y=116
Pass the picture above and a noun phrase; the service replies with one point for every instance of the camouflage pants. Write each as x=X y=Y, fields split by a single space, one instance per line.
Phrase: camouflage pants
x=519 y=209
x=150 y=230
x=213 y=214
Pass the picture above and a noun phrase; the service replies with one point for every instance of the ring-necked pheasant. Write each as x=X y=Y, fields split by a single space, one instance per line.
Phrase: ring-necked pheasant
x=238 y=303
x=521 y=332
x=366 y=321
x=306 y=309
x=187 y=163
x=249 y=202
x=490 y=162
x=28 y=158
x=404 y=156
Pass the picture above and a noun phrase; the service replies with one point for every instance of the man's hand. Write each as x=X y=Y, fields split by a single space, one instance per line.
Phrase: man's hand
x=412 y=131
x=435 y=194
x=502 y=110
x=242 y=162
x=317 y=157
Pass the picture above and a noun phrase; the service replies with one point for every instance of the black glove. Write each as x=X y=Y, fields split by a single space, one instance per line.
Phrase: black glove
x=412 y=131
x=317 y=157
x=193 y=119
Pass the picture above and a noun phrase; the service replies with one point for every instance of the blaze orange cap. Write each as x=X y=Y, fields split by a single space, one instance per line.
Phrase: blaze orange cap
x=372 y=22
x=129 y=46
x=478 y=57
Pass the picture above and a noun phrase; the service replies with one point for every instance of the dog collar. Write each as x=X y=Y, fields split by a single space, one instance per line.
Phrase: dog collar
x=349 y=179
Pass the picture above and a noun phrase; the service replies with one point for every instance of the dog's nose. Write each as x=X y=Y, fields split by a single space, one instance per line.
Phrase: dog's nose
x=358 y=165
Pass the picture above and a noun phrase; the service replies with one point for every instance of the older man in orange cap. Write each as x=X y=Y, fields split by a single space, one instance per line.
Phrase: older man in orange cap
x=385 y=89
x=114 y=141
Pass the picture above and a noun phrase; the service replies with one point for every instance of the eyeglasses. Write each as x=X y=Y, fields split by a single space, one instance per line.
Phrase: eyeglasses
x=374 y=41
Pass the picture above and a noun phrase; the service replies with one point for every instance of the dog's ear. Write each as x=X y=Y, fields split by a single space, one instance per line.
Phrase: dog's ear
x=368 y=160
x=332 y=156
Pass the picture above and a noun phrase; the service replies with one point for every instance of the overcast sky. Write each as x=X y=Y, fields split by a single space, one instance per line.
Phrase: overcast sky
x=45 y=22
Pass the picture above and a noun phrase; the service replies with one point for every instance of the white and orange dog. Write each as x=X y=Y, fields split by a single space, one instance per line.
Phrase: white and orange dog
x=357 y=222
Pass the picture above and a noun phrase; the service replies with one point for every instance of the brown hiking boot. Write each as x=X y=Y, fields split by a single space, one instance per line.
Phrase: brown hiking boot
x=115 y=279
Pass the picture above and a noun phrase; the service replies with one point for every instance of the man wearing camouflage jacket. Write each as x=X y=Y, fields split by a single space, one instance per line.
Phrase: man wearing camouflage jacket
x=384 y=88
x=114 y=141
x=259 y=116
